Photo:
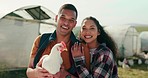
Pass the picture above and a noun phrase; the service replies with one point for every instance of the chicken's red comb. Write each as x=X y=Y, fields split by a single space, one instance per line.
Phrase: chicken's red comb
x=63 y=43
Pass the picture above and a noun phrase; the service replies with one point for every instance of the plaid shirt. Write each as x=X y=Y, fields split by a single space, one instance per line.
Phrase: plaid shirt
x=102 y=65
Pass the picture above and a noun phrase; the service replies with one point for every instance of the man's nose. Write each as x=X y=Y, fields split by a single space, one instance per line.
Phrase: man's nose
x=66 y=22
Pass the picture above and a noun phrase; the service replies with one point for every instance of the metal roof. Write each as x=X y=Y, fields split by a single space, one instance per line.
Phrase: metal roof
x=37 y=13
x=33 y=12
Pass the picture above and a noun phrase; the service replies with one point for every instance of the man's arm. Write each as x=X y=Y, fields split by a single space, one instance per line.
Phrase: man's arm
x=31 y=71
x=37 y=72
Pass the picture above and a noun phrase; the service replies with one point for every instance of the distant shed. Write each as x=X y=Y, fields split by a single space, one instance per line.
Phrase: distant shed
x=144 y=41
x=126 y=38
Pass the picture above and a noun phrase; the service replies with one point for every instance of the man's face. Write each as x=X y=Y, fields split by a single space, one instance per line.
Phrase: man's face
x=66 y=21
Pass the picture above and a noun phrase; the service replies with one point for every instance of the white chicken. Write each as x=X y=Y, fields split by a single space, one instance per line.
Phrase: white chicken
x=125 y=63
x=53 y=61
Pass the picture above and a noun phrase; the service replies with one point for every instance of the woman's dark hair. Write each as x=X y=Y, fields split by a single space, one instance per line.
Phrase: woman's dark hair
x=103 y=37
x=69 y=7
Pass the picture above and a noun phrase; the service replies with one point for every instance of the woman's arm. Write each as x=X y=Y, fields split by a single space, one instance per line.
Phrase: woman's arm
x=102 y=66
x=79 y=59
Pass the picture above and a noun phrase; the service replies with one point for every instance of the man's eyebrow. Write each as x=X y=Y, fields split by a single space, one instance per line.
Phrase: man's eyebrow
x=72 y=18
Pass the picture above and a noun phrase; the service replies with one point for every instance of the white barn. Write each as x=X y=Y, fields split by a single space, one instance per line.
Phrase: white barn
x=144 y=41
x=18 y=29
x=126 y=38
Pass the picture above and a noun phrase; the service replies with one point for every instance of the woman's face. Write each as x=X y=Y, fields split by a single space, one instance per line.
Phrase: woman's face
x=89 y=31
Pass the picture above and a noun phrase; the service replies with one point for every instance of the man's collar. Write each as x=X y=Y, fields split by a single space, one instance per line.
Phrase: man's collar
x=72 y=37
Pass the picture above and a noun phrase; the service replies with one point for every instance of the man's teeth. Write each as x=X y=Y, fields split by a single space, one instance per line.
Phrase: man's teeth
x=64 y=27
x=87 y=36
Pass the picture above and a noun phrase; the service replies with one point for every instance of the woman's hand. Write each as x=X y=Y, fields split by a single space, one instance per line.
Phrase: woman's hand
x=77 y=50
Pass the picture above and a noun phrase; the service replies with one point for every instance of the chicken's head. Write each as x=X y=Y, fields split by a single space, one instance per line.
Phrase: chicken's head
x=62 y=47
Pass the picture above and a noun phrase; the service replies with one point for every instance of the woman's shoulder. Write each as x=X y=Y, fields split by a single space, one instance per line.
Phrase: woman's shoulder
x=105 y=51
x=103 y=47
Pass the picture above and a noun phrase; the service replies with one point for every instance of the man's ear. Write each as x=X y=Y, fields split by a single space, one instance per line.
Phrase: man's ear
x=75 y=23
x=56 y=18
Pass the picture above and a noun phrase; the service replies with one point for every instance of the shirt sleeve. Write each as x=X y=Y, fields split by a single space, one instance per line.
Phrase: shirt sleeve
x=35 y=47
x=81 y=67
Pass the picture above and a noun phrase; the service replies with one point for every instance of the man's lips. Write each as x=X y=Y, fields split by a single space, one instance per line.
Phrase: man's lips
x=64 y=27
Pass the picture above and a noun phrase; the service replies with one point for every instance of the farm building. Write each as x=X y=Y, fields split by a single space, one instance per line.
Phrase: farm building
x=18 y=29
x=144 y=41
x=126 y=38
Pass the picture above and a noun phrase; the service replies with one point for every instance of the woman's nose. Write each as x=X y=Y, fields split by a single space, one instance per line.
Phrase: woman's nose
x=87 y=31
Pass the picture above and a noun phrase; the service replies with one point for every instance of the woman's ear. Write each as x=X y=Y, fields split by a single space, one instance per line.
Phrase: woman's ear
x=98 y=33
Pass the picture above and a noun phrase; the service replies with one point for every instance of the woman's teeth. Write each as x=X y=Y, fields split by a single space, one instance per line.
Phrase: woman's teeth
x=88 y=36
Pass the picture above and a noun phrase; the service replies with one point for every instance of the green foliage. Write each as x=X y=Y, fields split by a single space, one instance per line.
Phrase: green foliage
x=141 y=28
x=76 y=30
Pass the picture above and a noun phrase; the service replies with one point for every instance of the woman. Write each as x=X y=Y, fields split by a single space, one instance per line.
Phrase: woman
x=96 y=55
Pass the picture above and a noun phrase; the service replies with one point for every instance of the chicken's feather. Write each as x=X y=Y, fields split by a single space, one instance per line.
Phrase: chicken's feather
x=53 y=61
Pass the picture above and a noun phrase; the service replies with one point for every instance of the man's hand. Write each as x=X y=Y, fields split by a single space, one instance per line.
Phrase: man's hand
x=41 y=72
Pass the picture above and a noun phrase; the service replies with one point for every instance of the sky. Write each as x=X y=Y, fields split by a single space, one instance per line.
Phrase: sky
x=108 y=12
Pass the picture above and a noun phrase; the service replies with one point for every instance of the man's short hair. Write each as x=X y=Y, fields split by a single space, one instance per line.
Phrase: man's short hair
x=69 y=7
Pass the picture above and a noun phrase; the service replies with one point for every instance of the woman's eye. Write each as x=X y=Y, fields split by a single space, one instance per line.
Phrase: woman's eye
x=83 y=28
x=92 y=28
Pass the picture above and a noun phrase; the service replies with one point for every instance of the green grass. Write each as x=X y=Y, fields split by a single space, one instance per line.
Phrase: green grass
x=136 y=71
x=13 y=73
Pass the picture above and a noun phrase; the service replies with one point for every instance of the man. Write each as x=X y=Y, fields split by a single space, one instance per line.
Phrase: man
x=66 y=21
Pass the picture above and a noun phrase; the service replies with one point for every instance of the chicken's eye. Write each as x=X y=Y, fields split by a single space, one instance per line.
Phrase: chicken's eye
x=60 y=46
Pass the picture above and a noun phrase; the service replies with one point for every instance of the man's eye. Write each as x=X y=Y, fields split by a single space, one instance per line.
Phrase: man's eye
x=62 y=18
x=71 y=21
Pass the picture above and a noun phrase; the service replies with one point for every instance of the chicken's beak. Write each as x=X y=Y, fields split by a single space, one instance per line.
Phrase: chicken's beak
x=65 y=49
x=64 y=46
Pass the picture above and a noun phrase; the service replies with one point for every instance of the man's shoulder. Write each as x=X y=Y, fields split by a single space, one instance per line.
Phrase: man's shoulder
x=73 y=38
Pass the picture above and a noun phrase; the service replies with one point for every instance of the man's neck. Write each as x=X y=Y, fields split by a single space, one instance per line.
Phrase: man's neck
x=66 y=38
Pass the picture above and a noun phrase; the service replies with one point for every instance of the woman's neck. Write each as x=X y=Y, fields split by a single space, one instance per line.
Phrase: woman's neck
x=93 y=45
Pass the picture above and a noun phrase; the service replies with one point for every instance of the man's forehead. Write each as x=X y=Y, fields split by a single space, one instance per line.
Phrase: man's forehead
x=68 y=13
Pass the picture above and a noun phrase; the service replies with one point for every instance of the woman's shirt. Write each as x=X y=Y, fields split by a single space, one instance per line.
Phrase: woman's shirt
x=91 y=54
x=102 y=64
